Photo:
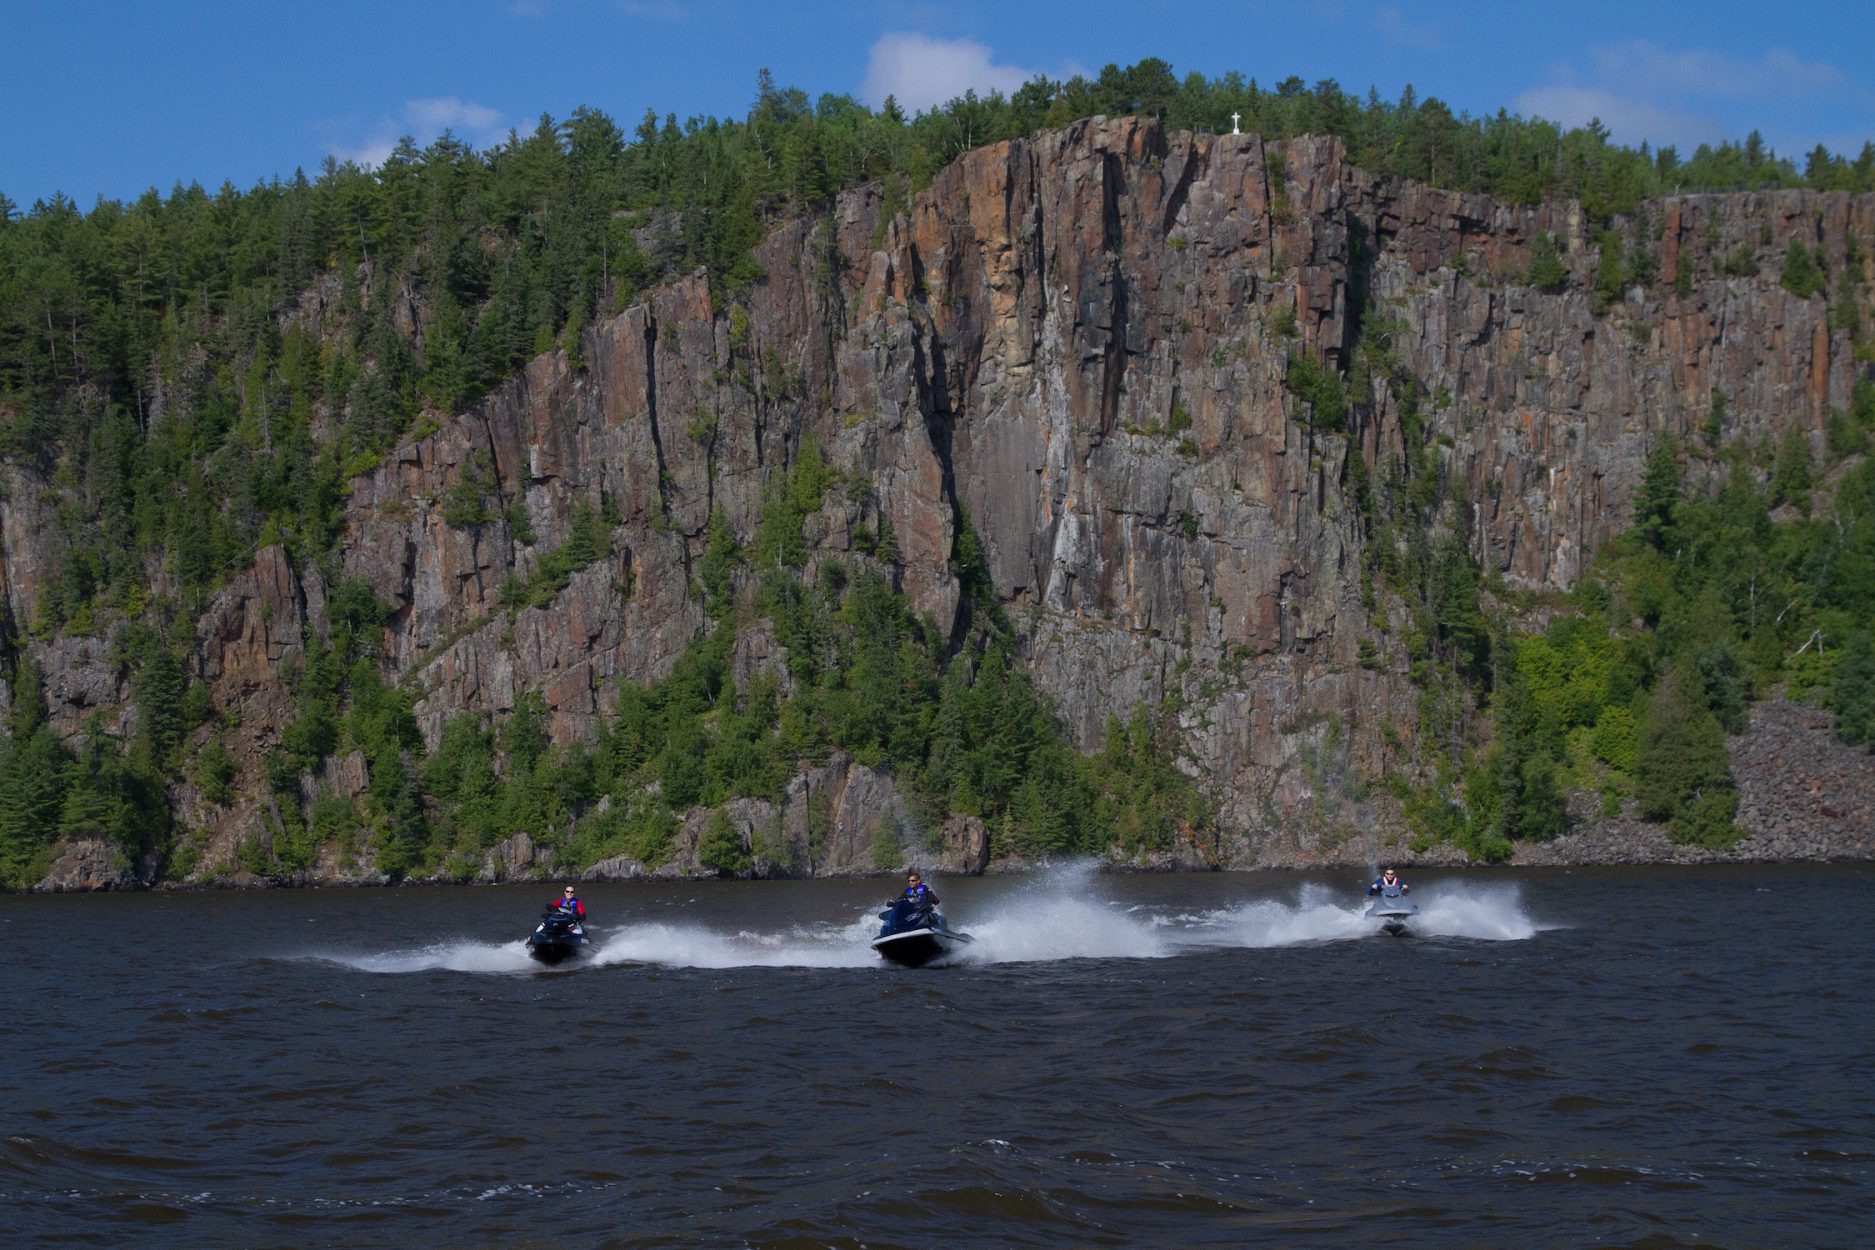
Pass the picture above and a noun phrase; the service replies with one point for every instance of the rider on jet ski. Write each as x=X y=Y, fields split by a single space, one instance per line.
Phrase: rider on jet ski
x=568 y=902
x=1387 y=880
x=920 y=895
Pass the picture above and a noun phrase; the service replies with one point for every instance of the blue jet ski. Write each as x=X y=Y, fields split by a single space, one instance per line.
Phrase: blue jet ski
x=557 y=937
x=913 y=936
x=1393 y=909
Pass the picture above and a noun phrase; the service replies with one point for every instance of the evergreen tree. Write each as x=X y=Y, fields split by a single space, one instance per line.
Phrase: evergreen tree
x=1852 y=691
x=1801 y=275
x=1657 y=502
x=1546 y=271
x=1790 y=476
x=1683 y=774
x=34 y=773
x=721 y=846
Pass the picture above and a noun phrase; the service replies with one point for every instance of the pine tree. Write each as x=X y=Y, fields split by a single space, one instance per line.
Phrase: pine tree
x=1546 y=271
x=1852 y=691
x=721 y=846
x=34 y=774
x=1683 y=774
x=1657 y=502
x=1801 y=275
x=1790 y=476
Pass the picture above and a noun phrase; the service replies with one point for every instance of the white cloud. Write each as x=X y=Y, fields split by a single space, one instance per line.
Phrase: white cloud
x=424 y=120
x=1703 y=72
x=466 y=118
x=921 y=72
x=1688 y=96
x=1394 y=24
x=370 y=152
x=1629 y=120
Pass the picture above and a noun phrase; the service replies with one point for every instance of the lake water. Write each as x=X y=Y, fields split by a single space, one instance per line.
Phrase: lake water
x=1659 y=1057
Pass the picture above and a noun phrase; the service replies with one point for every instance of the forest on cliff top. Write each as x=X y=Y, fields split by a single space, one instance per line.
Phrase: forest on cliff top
x=159 y=376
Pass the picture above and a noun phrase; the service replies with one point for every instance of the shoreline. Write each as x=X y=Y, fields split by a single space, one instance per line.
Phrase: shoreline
x=1804 y=796
x=1637 y=845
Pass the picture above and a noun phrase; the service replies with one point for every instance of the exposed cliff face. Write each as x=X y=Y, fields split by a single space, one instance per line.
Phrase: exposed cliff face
x=1081 y=341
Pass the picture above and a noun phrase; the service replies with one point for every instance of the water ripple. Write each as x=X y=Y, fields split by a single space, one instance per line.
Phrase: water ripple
x=1204 y=1061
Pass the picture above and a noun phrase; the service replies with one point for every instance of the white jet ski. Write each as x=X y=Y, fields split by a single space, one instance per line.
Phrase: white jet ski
x=1393 y=909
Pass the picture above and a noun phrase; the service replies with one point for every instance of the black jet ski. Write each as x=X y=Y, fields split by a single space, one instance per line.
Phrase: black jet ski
x=1393 y=909
x=912 y=935
x=558 y=936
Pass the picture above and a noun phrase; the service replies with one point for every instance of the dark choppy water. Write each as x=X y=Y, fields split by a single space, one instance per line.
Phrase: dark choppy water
x=1638 y=1057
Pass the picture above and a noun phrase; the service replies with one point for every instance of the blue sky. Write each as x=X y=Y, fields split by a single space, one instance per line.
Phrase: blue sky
x=112 y=97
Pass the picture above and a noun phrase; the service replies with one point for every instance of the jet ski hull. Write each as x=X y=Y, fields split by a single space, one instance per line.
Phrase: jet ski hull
x=556 y=939
x=914 y=948
x=914 y=935
x=553 y=953
x=1393 y=911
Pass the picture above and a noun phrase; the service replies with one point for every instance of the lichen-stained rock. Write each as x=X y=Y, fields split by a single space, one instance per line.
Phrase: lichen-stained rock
x=1077 y=344
x=88 y=864
x=512 y=858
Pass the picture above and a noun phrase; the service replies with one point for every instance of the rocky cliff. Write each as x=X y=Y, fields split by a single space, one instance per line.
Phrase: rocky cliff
x=1078 y=342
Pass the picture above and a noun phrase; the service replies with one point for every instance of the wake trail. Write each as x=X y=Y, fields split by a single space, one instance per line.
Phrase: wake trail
x=1458 y=909
x=695 y=946
x=455 y=956
x=1059 y=914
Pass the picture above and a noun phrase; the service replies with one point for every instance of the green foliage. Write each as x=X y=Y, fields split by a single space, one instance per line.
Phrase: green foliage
x=722 y=556
x=1790 y=475
x=1616 y=737
x=1657 y=502
x=644 y=834
x=1714 y=428
x=964 y=733
x=721 y=846
x=1802 y=275
x=35 y=768
x=1322 y=389
x=466 y=503
x=1675 y=628
x=1852 y=691
x=1140 y=794
x=1610 y=276
x=520 y=524
x=1684 y=776
x=159 y=363
x=159 y=689
x=780 y=540
x=1460 y=809
x=215 y=772
x=1742 y=262
x=1706 y=820
x=515 y=249
x=1546 y=271
x=588 y=540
